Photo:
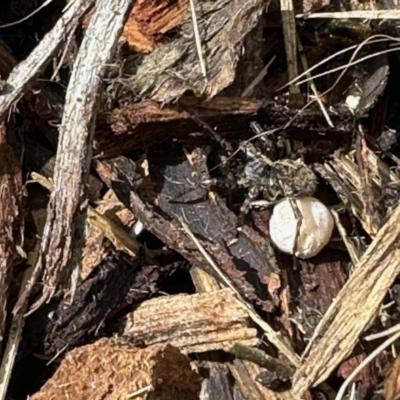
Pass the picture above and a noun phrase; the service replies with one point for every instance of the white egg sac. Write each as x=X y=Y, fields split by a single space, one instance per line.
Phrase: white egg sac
x=314 y=230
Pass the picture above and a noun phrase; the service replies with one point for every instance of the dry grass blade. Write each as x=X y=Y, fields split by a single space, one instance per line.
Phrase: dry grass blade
x=350 y=64
x=354 y=308
x=197 y=39
x=289 y=32
x=312 y=84
x=15 y=335
x=371 y=40
x=365 y=362
x=368 y=14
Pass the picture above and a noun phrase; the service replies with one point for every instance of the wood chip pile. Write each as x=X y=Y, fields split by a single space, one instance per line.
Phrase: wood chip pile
x=143 y=147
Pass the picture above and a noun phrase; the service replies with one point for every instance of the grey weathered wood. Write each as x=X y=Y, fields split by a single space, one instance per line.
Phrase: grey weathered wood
x=28 y=69
x=60 y=255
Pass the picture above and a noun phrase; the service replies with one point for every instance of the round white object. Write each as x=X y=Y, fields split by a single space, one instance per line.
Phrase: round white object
x=314 y=231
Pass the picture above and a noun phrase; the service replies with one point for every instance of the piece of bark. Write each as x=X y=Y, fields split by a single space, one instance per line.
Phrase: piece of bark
x=128 y=127
x=61 y=247
x=193 y=323
x=168 y=72
x=245 y=372
x=118 y=282
x=118 y=371
x=121 y=239
x=28 y=69
x=229 y=120
x=354 y=308
x=249 y=263
x=125 y=119
x=11 y=217
x=251 y=64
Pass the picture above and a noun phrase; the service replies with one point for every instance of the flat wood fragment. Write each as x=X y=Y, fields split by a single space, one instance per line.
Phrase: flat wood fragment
x=111 y=370
x=61 y=247
x=193 y=323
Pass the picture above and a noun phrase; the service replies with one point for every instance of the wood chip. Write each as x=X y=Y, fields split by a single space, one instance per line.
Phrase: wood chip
x=193 y=323
x=110 y=370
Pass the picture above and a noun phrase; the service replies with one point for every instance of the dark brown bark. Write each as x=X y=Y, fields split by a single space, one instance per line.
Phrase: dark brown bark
x=11 y=218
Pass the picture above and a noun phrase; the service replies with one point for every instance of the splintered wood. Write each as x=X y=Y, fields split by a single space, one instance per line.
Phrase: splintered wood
x=111 y=370
x=193 y=323
x=354 y=308
x=61 y=246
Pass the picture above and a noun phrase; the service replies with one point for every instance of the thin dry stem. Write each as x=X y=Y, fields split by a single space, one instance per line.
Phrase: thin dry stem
x=367 y=14
x=364 y=363
x=289 y=32
x=312 y=84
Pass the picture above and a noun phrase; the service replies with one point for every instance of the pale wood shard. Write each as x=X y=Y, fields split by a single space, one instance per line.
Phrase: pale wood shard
x=28 y=69
x=354 y=308
x=111 y=370
x=11 y=218
x=193 y=323
x=343 y=174
x=61 y=246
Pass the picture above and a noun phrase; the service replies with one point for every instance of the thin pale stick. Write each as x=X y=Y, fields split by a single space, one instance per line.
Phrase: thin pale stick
x=197 y=39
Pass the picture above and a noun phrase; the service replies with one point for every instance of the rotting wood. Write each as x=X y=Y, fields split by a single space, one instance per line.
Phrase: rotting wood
x=354 y=308
x=60 y=255
x=193 y=323
x=26 y=70
x=11 y=217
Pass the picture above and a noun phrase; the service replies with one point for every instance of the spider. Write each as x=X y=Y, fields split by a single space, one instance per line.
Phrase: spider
x=274 y=179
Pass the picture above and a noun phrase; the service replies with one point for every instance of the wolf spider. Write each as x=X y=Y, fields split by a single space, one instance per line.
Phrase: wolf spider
x=274 y=179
